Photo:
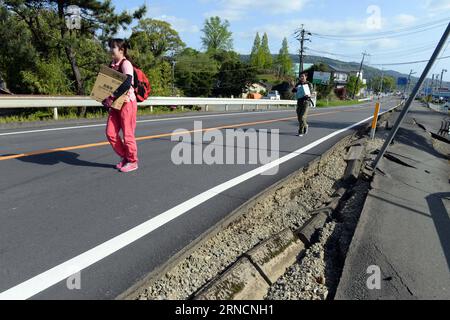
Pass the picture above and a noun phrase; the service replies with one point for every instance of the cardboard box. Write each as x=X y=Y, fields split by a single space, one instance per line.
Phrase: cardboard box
x=108 y=80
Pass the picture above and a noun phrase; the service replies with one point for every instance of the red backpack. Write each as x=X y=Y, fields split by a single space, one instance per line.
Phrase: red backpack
x=141 y=85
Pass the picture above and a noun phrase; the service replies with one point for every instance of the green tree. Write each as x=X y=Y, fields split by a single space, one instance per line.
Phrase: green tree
x=233 y=78
x=351 y=85
x=195 y=73
x=256 y=58
x=284 y=61
x=156 y=37
x=388 y=84
x=17 y=53
x=45 y=20
x=216 y=35
x=265 y=53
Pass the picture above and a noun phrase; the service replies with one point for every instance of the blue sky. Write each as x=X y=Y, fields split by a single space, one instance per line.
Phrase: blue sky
x=325 y=17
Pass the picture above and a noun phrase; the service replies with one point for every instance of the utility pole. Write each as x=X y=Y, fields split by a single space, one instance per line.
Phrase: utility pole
x=382 y=78
x=409 y=81
x=359 y=74
x=411 y=98
x=300 y=36
x=432 y=84
x=442 y=75
x=437 y=81
x=173 y=78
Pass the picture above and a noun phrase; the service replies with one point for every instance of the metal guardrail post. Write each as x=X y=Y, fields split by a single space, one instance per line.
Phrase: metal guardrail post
x=55 y=113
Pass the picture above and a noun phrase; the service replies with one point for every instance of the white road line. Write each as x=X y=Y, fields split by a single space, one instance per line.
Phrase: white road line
x=155 y=120
x=139 y=121
x=45 y=280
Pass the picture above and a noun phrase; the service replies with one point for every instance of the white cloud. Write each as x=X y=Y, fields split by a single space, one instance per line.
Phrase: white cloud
x=405 y=19
x=179 y=24
x=239 y=9
x=437 y=5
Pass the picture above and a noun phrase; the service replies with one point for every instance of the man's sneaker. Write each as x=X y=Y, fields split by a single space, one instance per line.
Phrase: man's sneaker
x=300 y=134
x=121 y=164
x=130 y=166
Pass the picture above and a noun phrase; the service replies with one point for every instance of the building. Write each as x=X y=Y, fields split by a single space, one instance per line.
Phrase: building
x=341 y=76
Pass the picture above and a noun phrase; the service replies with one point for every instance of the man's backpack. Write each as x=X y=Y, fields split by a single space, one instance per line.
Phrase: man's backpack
x=141 y=85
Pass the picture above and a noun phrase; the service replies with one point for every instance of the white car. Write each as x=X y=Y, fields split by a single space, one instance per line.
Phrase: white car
x=273 y=95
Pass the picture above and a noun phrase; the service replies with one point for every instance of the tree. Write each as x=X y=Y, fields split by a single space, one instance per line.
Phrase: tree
x=216 y=35
x=233 y=77
x=157 y=37
x=351 y=84
x=388 y=84
x=256 y=58
x=284 y=60
x=17 y=53
x=195 y=73
x=45 y=19
x=265 y=53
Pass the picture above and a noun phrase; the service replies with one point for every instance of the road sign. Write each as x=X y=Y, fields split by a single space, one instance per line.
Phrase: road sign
x=321 y=77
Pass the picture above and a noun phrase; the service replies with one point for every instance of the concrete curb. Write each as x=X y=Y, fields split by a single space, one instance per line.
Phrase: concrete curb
x=273 y=256
x=240 y=282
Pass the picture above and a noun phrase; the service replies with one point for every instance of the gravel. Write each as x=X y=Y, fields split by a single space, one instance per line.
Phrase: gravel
x=317 y=274
x=287 y=206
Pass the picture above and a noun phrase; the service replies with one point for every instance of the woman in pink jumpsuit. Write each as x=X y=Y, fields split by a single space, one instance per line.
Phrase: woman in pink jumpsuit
x=125 y=118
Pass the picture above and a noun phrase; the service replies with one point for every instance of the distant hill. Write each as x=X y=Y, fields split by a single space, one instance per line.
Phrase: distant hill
x=369 y=72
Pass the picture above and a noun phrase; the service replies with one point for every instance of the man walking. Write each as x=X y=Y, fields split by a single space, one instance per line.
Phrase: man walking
x=302 y=92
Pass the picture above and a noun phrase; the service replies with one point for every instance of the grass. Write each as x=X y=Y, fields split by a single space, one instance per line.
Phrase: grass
x=71 y=114
x=336 y=103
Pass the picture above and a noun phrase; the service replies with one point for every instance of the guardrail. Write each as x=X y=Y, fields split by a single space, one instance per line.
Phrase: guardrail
x=443 y=108
x=55 y=102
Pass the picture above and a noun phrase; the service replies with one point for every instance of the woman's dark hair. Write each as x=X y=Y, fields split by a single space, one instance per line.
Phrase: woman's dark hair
x=121 y=44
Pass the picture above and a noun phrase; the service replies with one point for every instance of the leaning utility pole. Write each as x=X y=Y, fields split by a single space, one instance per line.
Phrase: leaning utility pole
x=300 y=36
x=359 y=74
x=411 y=98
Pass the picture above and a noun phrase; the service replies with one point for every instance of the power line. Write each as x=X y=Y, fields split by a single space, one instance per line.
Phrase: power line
x=403 y=63
x=378 y=37
x=390 y=33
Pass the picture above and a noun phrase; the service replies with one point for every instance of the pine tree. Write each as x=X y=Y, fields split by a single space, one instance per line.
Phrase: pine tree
x=265 y=52
x=254 y=55
x=284 y=60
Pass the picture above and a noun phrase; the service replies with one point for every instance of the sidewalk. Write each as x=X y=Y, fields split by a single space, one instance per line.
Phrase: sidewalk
x=405 y=226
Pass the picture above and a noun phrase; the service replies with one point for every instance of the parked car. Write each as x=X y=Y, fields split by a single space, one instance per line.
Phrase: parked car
x=273 y=95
